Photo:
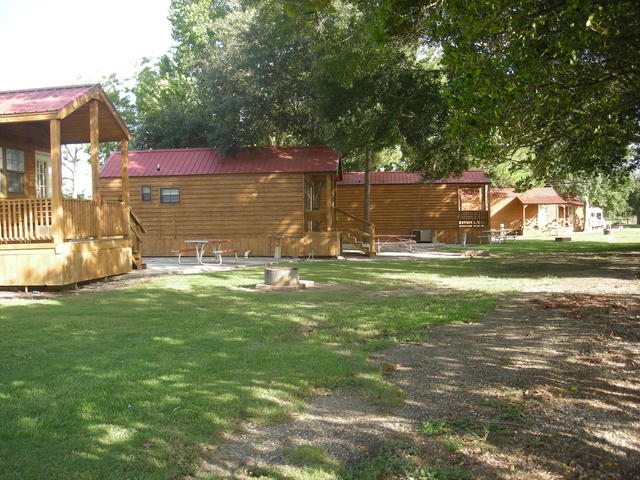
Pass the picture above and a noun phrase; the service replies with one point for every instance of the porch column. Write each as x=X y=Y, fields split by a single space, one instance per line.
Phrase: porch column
x=487 y=200
x=94 y=136
x=329 y=202
x=524 y=216
x=124 y=169
x=57 y=212
x=124 y=176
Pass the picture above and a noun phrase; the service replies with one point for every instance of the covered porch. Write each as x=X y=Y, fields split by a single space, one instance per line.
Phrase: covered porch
x=45 y=238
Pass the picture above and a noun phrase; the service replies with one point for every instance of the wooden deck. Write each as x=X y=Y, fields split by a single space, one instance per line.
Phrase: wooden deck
x=96 y=242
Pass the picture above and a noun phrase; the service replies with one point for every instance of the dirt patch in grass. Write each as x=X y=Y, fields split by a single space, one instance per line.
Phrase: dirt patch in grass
x=547 y=386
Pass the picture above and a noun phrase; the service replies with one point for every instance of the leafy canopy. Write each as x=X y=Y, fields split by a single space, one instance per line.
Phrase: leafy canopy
x=560 y=80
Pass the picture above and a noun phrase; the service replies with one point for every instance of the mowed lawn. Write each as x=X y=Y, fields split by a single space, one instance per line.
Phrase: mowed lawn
x=137 y=383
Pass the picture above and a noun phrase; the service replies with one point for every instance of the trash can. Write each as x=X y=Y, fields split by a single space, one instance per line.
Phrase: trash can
x=463 y=238
x=277 y=253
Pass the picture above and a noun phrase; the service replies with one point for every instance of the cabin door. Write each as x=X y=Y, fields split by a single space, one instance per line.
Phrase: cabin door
x=43 y=175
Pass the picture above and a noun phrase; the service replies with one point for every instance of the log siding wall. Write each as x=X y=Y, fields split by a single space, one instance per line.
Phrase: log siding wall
x=398 y=209
x=251 y=210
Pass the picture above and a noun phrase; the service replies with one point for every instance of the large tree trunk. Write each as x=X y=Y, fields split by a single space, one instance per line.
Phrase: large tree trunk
x=367 y=184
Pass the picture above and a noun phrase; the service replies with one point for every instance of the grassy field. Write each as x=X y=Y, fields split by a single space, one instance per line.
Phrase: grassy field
x=135 y=383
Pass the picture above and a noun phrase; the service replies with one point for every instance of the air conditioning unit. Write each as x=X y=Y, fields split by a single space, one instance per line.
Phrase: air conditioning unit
x=422 y=236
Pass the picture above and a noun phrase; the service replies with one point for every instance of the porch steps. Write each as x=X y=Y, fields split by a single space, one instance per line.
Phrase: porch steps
x=352 y=239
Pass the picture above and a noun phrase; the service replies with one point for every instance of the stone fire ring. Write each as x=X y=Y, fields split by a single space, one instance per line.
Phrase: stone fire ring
x=283 y=279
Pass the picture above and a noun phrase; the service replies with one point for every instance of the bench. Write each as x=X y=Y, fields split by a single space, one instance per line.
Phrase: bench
x=182 y=252
x=497 y=238
x=219 y=253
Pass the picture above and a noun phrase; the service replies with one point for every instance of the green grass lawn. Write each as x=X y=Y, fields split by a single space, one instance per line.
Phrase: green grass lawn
x=134 y=384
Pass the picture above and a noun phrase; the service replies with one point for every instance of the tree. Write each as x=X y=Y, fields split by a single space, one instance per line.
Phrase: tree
x=558 y=79
x=72 y=160
x=259 y=76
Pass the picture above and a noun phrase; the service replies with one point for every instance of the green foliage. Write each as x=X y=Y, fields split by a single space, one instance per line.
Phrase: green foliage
x=120 y=95
x=255 y=73
x=437 y=427
x=559 y=79
x=554 y=78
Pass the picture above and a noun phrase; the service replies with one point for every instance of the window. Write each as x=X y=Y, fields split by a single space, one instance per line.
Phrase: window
x=169 y=195
x=15 y=171
x=145 y=194
x=312 y=195
x=43 y=175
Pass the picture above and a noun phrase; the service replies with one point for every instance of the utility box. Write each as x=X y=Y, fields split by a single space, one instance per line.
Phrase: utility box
x=422 y=236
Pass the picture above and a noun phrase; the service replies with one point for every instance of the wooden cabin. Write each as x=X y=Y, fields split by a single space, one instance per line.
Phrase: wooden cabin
x=46 y=239
x=538 y=210
x=402 y=202
x=258 y=199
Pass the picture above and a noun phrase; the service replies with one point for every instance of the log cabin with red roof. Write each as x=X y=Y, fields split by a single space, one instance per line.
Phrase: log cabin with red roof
x=538 y=210
x=258 y=199
x=46 y=239
x=402 y=202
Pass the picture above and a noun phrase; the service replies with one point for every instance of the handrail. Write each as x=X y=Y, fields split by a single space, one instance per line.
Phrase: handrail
x=136 y=221
x=339 y=210
x=370 y=235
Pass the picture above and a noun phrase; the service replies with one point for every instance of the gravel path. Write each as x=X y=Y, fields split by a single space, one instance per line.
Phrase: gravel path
x=558 y=371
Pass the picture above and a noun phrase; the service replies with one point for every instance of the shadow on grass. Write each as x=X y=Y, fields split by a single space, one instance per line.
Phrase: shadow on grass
x=135 y=383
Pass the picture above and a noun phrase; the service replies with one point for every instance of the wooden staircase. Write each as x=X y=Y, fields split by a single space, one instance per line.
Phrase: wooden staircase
x=136 y=241
x=358 y=232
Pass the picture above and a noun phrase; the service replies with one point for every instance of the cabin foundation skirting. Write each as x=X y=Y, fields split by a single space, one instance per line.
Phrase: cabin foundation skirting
x=48 y=264
x=320 y=244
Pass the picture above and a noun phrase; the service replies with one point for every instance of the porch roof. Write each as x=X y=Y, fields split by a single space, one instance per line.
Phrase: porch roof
x=22 y=113
x=541 y=196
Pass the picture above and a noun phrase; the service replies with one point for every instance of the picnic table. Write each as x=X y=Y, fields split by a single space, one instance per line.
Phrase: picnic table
x=496 y=236
x=200 y=246
x=407 y=241
x=218 y=250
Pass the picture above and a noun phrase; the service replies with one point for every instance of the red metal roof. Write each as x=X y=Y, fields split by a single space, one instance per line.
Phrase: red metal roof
x=574 y=201
x=395 y=178
x=541 y=196
x=40 y=99
x=503 y=192
x=205 y=161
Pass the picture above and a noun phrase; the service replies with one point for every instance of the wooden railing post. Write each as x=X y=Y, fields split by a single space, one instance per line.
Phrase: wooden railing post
x=57 y=211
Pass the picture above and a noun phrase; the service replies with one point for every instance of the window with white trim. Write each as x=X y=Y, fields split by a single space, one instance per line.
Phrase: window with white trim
x=169 y=195
x=145 y=193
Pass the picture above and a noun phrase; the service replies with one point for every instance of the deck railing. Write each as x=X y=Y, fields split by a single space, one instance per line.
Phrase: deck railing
x=473 y=218
x=84 y=219
x=31 y=220
x=25 y=220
